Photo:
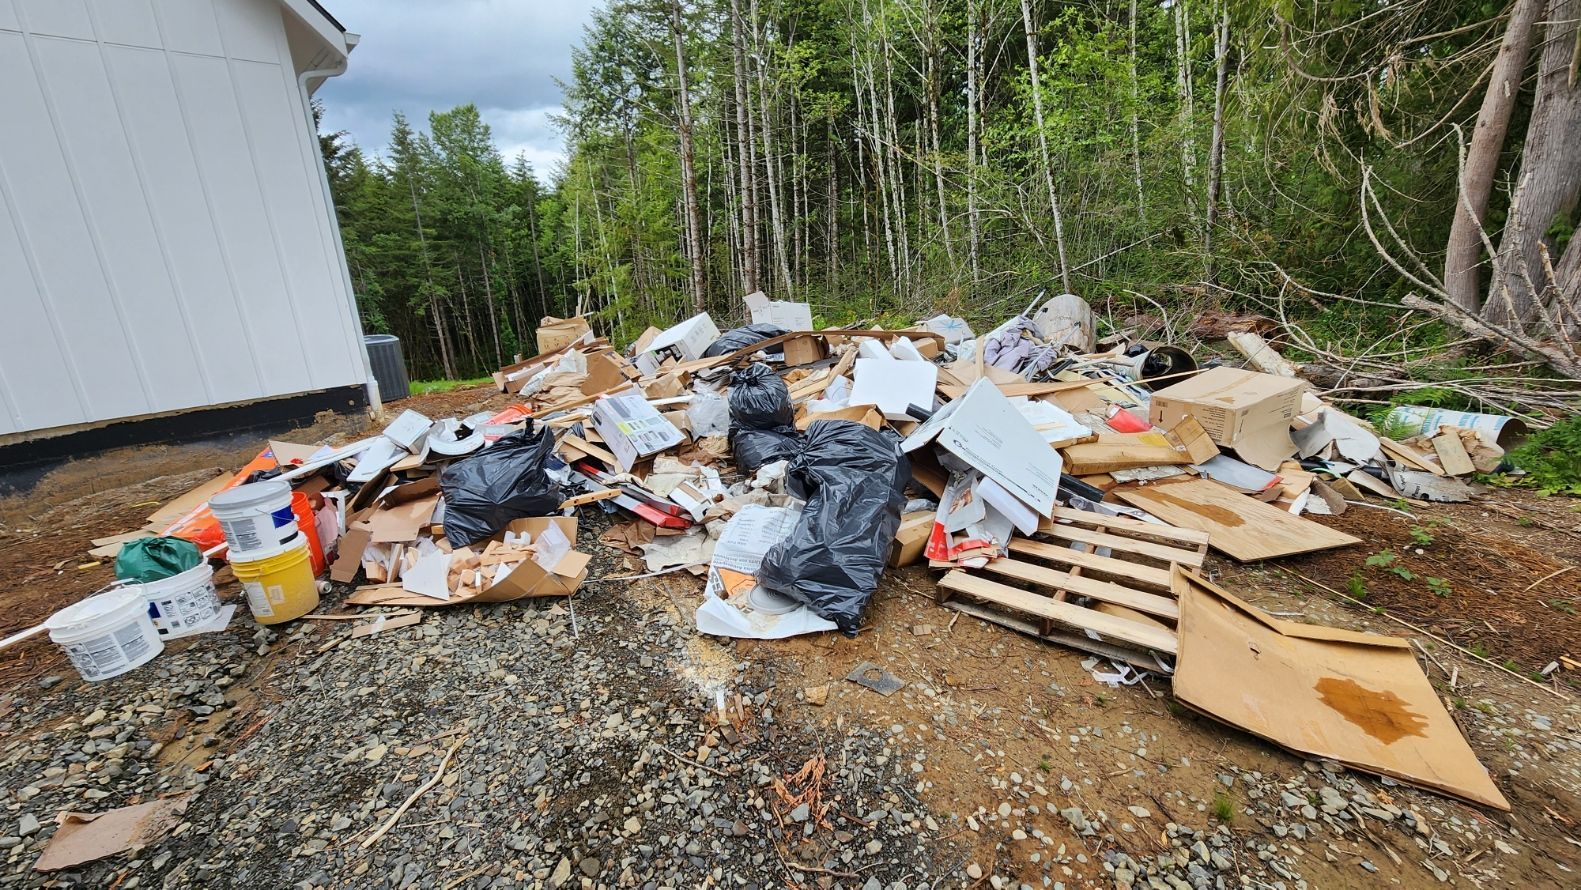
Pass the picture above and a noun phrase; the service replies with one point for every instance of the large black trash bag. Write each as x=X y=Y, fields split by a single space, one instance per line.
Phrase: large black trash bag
x=759 y=399
x=754 y=448
x=503 y=482
x=741 y=338
x=852 y=478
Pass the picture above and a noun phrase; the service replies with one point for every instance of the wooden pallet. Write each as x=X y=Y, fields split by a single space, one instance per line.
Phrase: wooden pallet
x=1130 y=603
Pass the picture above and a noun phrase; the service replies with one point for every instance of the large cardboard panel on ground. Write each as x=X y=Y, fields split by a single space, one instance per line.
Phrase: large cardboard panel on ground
x=1360 y=699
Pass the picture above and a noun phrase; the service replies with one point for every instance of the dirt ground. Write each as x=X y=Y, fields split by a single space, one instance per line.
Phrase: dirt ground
x=998 y=713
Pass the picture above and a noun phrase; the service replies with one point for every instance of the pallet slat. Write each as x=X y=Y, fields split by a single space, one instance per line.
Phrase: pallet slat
x=1128 y=545
x=1150 y=603
x=1189 y=537
x=1063 y=613
x=1148 y=576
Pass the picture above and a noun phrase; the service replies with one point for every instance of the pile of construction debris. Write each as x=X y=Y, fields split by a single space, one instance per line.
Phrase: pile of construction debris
x=1064 y=487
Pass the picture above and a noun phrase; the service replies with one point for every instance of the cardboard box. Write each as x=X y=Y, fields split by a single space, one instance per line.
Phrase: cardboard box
x=605 y=371
x=911 y=538
x=984 y=429
x=689 y=338
x=558 y=333
x=531 y=579
x=804 y=351
x=632 y=428
x=790 y=316
x=1243 y=410
x=894 y=385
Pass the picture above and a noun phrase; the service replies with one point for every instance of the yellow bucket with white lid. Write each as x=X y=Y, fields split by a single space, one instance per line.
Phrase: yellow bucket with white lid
x=278 y=581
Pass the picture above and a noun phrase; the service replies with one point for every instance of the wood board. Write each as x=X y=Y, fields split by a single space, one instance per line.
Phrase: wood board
x=1050 y=609
x=1244 y=529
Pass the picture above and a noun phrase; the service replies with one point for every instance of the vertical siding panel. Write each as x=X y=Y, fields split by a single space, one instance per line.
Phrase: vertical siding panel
x=57 y=18
x=129 y=22
x=35 y=379
x=49 y=215
x=248 y=29
x=313 y=282
x=187 y=232
x=119 y=222
x=220 y=144
x=189 y=26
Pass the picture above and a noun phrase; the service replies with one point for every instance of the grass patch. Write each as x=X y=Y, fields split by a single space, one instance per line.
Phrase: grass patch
x=424 y=387
x=1223 y=807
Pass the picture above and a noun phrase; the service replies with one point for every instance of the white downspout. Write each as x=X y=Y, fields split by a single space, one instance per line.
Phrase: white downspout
x=375 y=404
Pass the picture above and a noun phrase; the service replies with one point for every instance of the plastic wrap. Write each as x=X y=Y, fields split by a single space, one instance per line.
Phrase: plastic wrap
x=852 y=478
x=154 y=559
x=506 y=481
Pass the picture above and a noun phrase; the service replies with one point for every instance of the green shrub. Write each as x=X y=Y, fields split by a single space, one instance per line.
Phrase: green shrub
x=1552 y=458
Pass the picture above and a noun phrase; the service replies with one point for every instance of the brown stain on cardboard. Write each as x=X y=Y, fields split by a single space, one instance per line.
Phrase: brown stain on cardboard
x=1211 y=512
x=1382 y=715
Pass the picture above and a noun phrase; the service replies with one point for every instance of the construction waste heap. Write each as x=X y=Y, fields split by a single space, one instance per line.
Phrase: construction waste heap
x=1063 y=487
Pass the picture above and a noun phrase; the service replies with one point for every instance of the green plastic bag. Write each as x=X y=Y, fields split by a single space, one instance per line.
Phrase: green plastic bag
x=153 y=559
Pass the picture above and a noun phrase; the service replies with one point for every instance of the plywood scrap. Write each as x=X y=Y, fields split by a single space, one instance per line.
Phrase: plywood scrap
x=1452 y=454
x=1359 y=699
x=1238 y=526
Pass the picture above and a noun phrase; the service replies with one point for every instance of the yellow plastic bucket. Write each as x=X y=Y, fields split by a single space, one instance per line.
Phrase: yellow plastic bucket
x=278 y=581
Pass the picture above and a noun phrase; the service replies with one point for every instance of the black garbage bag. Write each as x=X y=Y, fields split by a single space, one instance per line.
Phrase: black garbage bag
x=754 y=448
x=852 y=478
x=759 y=399
x=506 y=481
x=741 y=338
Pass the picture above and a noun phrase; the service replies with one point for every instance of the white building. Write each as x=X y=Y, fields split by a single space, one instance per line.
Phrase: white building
x=167 y=240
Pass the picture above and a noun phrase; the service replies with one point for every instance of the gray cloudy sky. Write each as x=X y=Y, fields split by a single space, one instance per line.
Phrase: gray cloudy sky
x=419 y=56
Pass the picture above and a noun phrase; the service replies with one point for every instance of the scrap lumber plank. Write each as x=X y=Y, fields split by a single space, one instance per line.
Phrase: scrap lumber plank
x=1240 y=527
x=1108 y=591
x=1452 y=454
x=1064 y=613
x=1129 y=545
x=1092 y=562
x=1190 y=536
x=1406 y=454
x=1080 y=642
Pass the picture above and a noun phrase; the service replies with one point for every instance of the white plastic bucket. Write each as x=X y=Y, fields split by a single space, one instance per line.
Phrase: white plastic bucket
x=182 y=604
x=106 y=634
x=256 y=516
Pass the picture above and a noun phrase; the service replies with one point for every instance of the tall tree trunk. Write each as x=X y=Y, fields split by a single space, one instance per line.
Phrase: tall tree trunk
x=770 y=160
x=1136 y=111
x=1043 y=142
x=973 y=86
x=746 y=151
x=694 y=223
x=488 y=296
x=1550 y=175
x=1188 y=122
x=1221 y=48
x=1463 y=255
x=933 y=126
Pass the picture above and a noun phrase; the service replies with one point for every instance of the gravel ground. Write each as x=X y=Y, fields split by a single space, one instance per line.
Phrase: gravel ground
x=590 y=750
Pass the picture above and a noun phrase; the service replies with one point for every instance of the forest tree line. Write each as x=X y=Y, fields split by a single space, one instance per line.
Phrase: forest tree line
x=884 y=158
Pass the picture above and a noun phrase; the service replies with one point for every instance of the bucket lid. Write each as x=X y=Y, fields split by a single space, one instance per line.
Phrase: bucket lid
x=94 y=608
x=770 y=603
x=251 y=493
x=296 y=541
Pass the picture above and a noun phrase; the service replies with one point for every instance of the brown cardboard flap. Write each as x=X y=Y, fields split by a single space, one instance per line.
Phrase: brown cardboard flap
x=1359 y=699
